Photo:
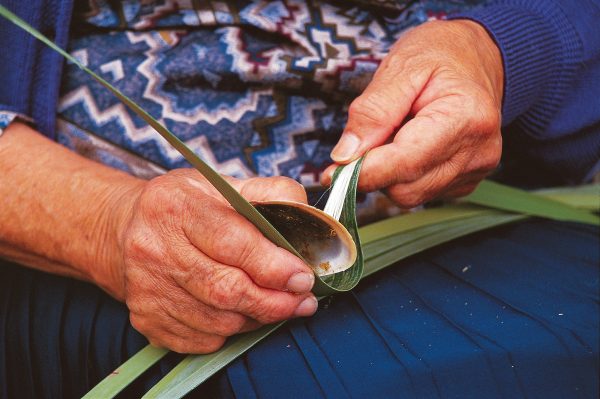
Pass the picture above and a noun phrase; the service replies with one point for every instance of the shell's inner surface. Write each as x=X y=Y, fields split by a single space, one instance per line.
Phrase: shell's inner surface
x=321 y=240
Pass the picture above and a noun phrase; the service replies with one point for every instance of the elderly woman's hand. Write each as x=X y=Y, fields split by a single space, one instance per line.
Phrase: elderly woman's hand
x=195 y=271
x=190 y=268
x=430 y=117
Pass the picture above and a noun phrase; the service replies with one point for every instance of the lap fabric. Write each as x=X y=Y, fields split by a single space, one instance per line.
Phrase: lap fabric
x=511 y=312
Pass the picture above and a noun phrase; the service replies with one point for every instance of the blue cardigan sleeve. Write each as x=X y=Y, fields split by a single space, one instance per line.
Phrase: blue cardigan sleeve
x=551 y=103
x=29 y=71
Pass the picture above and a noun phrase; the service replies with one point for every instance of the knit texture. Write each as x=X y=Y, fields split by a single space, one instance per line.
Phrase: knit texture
x=550 y=70
x=540 y=50
x=550 y=50
x=30 y=71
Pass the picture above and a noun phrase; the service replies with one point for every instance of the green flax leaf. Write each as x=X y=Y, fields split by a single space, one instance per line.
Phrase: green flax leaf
x=195 y=369
x=495 y=195
x=440 y=234
x=386 y=243
x=587 y=196
x=114 y=383
x=349 y=278
x=198 y=368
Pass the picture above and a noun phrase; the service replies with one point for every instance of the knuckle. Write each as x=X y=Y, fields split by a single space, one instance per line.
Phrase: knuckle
x=182 y=173
x=262 y=274
x=487 y=159
x=137 y=246
x=464 y=190
x=448 y=171
x=138 y=322
x=369 y=107
x=290 y=188
x=489 y=119
x=133 y=304
x=397 y=62
x=411 y=201
x=213 y=343
x=230 y=325
x=271 y=311
x=491 y=162
x=496 y=152
x=285 y=183
x=226 y=291
x=253 y=259
x=494 y=117
x=155 y=342
x=267 y=267
x=250 y=253
x=178 y=345
x=367 y=185
x=484 y=114
x=412 y=171
x=470 y=101
x=161 y=197
x=406 y=198
x=201 y=345
x=224 y=238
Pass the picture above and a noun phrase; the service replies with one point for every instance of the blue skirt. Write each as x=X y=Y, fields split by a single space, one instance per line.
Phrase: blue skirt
x=512 y=312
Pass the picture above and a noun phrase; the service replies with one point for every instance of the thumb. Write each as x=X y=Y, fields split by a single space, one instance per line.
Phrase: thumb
x=379 y=111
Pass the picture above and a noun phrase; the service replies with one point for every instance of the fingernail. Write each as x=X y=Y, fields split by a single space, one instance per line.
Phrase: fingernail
x=346 y=148
x=307 y=307
x=301 y=282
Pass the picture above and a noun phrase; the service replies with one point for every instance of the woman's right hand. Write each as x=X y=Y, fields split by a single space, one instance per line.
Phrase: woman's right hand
x=193 y=271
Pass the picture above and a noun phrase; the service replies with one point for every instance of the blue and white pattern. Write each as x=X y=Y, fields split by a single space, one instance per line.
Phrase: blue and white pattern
x=254 y=87
x=8 y=117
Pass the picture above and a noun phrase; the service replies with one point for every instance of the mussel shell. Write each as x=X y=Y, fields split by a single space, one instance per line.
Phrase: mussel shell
x=321 y=240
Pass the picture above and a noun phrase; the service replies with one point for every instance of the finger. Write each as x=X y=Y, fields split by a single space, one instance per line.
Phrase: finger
x=253 y=189
x=459 y=191
x=229 y=288
x=463 y=186
x=422 y=144
x=272 y=188
x=203 y=318
x=428 y=187
x=233 y=240
x=196 y=346
x=327 y=175
x=214 y=321
x=166 y=332
x=380 y=110
x=419 y=146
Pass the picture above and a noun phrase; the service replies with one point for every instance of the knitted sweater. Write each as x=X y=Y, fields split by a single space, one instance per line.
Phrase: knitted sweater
x=550 y=50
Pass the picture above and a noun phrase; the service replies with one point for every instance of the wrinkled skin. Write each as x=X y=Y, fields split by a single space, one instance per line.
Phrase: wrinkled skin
x=430 y=118
x=191 y=270
x=196 y=272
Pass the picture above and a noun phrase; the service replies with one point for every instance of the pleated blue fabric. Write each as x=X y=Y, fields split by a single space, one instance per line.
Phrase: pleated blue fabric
x=509 y=313
x=512 y=312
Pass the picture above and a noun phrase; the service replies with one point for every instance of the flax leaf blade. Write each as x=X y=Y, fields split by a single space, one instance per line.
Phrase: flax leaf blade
x=116 y=381
x=199 y=368
x=495 y=195
x=428 y=230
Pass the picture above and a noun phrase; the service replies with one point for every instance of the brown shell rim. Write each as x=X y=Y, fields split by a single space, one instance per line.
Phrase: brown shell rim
x=333 y=223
